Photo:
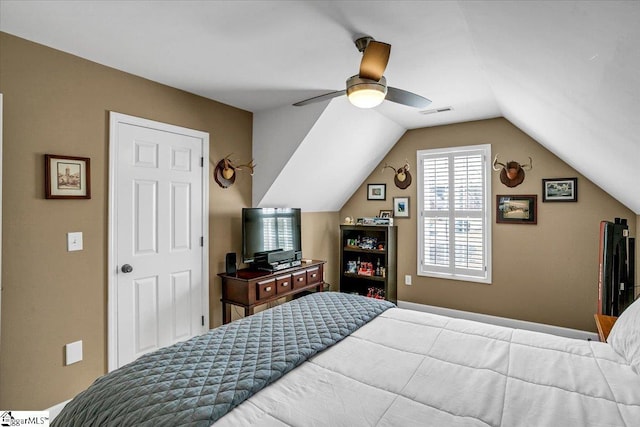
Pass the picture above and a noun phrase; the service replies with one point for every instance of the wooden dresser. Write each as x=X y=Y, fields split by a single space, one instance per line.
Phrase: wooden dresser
x=250 y=288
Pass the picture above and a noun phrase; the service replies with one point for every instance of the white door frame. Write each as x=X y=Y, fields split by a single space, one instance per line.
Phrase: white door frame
x=112 y=268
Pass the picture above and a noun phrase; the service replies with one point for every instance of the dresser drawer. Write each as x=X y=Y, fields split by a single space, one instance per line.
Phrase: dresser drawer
x=314 y=275
x=299 y=279
x=266 y=288
x=283 y=284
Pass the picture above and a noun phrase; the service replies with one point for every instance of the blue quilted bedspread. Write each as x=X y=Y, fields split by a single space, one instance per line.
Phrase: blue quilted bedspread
x=196 y=382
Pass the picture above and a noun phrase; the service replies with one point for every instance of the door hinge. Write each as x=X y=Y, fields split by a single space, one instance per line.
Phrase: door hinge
x=202 y=320
x=202 y=241
x=201 y=162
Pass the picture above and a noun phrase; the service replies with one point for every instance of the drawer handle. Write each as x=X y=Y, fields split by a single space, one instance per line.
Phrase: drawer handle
x=285 y=284
x=300 y=279
x=314 y=275
x=267 y=289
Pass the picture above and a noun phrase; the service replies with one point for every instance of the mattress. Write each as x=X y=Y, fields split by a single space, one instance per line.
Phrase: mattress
x=195 y=382
x=409 y=368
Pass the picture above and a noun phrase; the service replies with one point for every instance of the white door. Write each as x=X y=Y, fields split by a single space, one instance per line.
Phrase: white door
x=158 y=230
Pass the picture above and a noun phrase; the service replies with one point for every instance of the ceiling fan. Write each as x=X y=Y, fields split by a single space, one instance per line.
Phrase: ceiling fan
x=368 y=88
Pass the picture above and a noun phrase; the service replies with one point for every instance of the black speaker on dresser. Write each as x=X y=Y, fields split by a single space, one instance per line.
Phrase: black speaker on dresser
x=230 y=263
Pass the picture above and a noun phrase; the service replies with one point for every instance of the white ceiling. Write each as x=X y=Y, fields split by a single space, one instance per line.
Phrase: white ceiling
x=564 y=72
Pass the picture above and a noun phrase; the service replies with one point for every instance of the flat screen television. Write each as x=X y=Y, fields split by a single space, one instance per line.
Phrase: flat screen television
x=269 y=229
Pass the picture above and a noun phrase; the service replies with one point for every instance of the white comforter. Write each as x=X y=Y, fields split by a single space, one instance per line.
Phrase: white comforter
x=409 y=368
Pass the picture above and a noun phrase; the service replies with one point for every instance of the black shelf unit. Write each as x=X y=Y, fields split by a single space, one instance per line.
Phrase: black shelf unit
x=352 y=237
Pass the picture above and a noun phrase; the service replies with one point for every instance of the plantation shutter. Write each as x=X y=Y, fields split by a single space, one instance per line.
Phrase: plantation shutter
x=285 y=232
x=270 y=233
x=454 y=227
x=277 y=231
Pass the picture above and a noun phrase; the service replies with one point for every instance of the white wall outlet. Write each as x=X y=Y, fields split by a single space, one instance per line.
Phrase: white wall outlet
x=407 y=279
x=73 y=352
x=74 y=241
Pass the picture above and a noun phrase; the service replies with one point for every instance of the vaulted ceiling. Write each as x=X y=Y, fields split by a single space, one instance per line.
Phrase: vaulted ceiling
x=564 y=72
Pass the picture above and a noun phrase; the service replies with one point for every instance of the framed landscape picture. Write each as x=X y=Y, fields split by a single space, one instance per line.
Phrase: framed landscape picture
x=560 y=190
x=376 y=191
x=517 y=209
x=67 y=177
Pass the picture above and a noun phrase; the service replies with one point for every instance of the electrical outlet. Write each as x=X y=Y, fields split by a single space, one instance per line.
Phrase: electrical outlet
x=407 y=279
x=73 y=352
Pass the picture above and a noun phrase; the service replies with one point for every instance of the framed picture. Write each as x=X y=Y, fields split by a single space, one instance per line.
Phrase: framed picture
x=517 y=209
x=376 y=191
x=67 y=177
x=560 y=190
x=401 y=207
x=384 y=214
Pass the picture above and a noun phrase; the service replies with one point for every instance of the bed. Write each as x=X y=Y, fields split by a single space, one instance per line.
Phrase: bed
x=349 y=361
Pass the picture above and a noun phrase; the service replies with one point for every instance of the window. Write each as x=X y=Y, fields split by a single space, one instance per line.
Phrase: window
x=454 y=205
x=277 y=230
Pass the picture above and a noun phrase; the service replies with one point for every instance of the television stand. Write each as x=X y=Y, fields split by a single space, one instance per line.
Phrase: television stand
x=249 y=288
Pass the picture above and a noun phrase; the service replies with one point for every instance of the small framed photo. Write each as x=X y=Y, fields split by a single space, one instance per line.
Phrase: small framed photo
x=384 y=214
x=67 y=177
x=401 y=207
x=517 y=209
x=376 y=191
x=560 y=190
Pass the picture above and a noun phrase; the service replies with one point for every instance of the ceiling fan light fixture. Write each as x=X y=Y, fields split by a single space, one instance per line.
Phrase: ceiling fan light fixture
x=366 y=93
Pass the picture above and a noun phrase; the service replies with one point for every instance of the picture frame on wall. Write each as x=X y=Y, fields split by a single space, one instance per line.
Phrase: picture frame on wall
x=384 y=214
x=67 y=177
x=401 y=207
x=517 y=209
x=376 y=191
x=560 y=190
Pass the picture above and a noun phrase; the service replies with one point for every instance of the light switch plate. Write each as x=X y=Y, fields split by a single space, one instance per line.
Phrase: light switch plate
x=73 y=352
x=74 y=241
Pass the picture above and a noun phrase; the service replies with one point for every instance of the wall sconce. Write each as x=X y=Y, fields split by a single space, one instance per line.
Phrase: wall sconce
x=225 y=171
x=402 y=177
x=511 y=174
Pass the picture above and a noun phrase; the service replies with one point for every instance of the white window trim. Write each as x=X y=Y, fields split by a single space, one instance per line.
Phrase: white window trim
x=486 y=148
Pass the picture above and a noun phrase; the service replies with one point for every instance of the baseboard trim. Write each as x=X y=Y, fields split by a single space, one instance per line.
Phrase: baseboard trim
x=501 y=321
x=56 y=409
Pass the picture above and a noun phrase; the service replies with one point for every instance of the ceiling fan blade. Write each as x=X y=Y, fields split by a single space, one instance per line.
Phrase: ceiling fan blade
x=406 y=98
x=374 y=60
x=319 y=98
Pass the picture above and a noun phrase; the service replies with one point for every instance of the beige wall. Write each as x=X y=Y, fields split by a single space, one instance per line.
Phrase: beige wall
x=57 y=103
x=320 y=240
x=543 y=273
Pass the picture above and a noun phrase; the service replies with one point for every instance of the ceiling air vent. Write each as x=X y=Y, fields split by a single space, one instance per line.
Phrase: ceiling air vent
x=437 y=110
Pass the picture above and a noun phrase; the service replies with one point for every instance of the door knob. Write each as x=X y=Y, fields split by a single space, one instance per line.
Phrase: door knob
x=126 y=268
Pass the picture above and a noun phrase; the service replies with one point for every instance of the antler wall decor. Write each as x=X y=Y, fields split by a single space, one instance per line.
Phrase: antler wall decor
x=512 y=173
x=402 y=177
x=225 y=171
